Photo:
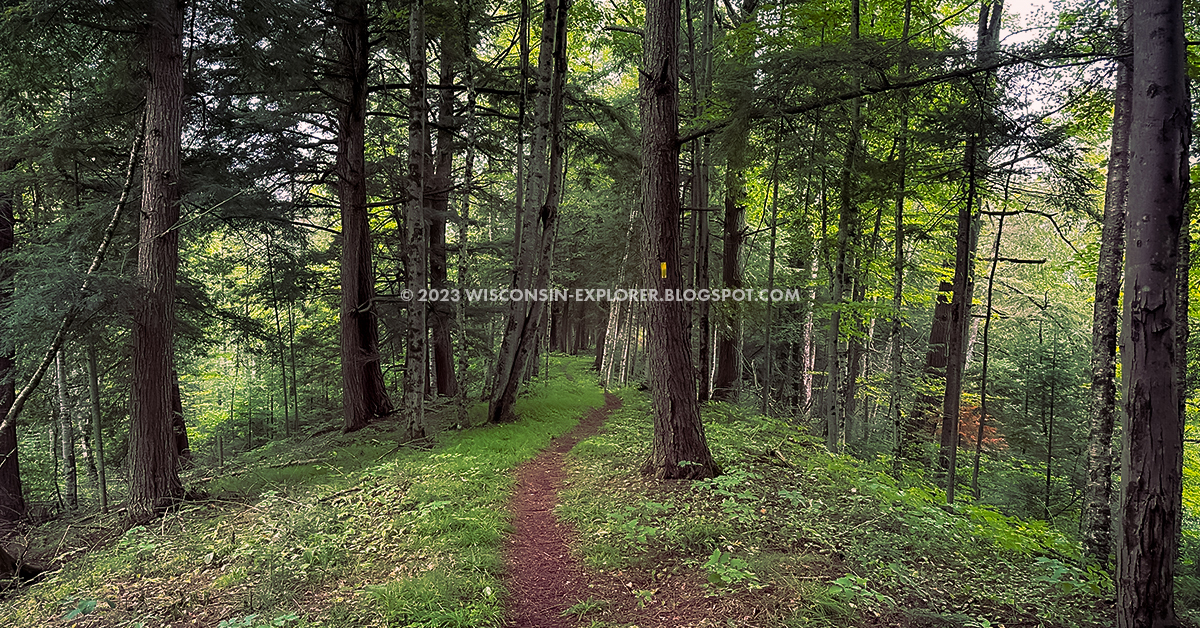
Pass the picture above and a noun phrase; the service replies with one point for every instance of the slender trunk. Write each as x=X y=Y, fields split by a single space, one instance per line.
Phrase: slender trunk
x=66 y=431
x=415 y=223
x=727 y=381
x=464 y=251
x=364 y=394
x=154 y=479
x=678 y=432
x=834 y=403
x=1097 y=513
x=766 y=388
x=964 y=261
x=1154 y=330
x=97 y=432
x=983 y=378
x=539 y=215
x=901 y=446
x=287 y=421
x=292 y=349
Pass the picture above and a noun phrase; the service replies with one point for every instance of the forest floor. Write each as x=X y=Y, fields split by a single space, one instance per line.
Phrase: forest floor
x=547 y=523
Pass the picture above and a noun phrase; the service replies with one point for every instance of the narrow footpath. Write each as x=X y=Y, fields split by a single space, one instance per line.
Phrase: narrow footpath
x=544 y=578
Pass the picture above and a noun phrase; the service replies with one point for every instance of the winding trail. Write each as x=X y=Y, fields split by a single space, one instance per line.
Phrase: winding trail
x=544 y=578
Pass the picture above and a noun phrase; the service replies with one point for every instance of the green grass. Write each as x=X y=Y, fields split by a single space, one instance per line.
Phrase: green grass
x=366 y=535
x=804 y=538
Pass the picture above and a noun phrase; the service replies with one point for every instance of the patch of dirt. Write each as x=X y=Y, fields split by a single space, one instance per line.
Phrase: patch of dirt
x=544 y=578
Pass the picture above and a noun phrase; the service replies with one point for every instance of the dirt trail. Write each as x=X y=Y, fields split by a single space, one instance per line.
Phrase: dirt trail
x=544 y=579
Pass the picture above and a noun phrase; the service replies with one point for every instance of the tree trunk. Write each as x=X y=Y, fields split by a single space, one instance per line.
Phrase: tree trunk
x=964 y=265
x=539 y=214
x=97 y=433
x=726 y=382
x=12 y=497
x=679 y=448
x=178 y=426
x=1152 y=431
x=983 y=377
x=416 y=225
x=154 y=480
x=1097 y=509
x=441 y=312
x=364 y=394
x=66 y=431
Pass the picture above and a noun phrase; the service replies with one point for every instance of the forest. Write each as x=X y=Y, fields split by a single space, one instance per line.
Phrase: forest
x=599 y=313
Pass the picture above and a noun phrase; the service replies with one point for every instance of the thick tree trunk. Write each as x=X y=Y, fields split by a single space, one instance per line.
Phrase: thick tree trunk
x=12 y=498
x=441 y=312
x=154 y=480
x=364 y=394
x=1152 y=430
x=1097 y=509
x=679 y=448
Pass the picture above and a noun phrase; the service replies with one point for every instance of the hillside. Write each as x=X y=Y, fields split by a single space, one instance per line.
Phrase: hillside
x=333 y=530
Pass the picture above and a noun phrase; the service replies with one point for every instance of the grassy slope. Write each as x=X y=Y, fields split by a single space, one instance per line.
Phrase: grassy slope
x=351 y=532
x=358 y=534
x=792 y=536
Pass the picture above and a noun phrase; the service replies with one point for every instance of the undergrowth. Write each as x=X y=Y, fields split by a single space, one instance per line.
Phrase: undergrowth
x=803 y=538
x=351 y=531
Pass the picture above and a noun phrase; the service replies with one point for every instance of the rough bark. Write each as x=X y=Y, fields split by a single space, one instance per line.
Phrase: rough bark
x=154 y=479
x=364 y=395
x=965 y=240
x=416 y=229
x=679 y=448
x=1152 y=429
x=1097 y=509
x=12 y=497
x=539 y=214
x=441 y=312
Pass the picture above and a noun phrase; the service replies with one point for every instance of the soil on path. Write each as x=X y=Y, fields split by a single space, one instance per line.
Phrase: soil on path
x=544 y=578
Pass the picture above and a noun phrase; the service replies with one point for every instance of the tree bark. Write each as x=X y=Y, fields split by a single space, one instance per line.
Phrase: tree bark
x=97 y=434
x=154 y=480
x=679 y=448
x=12 y=497
x=964 y=264
x=416 y=225
x=441 y=312
x=364 y=394
x=539 y=214
x=1152 y=430
x=1097 y=509
x=66 y=431
x=726 y=382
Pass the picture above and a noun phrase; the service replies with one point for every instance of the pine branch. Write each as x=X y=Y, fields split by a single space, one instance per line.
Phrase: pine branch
x=884 y=85
x=73 y=311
